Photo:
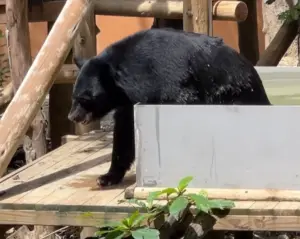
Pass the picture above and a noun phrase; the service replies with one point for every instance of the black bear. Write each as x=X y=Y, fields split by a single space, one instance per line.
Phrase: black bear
x=159 y=66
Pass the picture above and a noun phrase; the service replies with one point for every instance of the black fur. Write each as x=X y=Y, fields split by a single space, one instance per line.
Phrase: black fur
x=159 y=66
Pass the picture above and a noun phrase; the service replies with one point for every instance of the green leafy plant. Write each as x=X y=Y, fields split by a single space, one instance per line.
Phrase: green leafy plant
x=290 y=14
x=138 y=224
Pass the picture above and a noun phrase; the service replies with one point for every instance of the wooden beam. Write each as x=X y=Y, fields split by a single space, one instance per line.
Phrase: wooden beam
x=18 y=40
x=164 y=9
x=279 y=44
x=39 y=79
x=230 y=10
x=197 y=17
x=34 y=143
x=67 y=74
x=172 y=9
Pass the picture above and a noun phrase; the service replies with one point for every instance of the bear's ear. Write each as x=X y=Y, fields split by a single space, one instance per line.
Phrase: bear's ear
x=79 y=62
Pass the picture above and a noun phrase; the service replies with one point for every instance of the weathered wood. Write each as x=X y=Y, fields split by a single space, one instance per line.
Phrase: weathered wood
x=85 y=46
x=224 y=10
x=248 y=33
x=279 y=45
x=20 y=61
x=230 y=194
x=59 y=187
x=38 y=80
x=18 y=40
x=229 y=10
x=197 y=17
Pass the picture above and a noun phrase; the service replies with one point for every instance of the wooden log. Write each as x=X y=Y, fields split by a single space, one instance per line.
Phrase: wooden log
x=85 y=46
x=171 y=9
x=38 y=80
x=197 y=17
x=279 y=45
x=18 y=40
x=20 y=61
x=229 y=10
x=229 y=194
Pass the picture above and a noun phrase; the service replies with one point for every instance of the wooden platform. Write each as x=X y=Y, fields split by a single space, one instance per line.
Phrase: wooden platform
x=60 y=189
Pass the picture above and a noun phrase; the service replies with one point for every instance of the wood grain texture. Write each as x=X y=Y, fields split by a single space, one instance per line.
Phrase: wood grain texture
x=60 y=189
x=39 y=79
x=228 y=10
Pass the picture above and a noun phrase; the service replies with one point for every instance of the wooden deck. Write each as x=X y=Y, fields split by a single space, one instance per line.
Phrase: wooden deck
x=60 y=188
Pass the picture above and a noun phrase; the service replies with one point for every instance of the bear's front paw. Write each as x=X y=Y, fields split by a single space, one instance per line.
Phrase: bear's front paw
x=110 y=179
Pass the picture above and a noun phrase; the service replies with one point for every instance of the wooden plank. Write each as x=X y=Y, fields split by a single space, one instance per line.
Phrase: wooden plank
x=225 y=10
x=267 y=206
x=71 y=147
x=78 y=218
x=39 y=79
x=287 y=209
x=54 y=170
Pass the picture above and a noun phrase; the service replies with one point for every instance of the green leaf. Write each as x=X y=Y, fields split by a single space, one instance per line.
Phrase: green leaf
x=201 y=202
x=178 y=205
x=169 y=191
x=152 y=196
x=137 y=222
x=294 y=14
x=115 y=235
x=184 y=183
x=125 y=223
x=203 y=193
x=221 y=204
x=132 y=217
x=145 y=233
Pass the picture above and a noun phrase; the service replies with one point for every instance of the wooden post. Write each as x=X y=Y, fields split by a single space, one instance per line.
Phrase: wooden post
x=20 y=61
x=85 y=46
x=197 y=16
x=248 y=34
x=38 y=80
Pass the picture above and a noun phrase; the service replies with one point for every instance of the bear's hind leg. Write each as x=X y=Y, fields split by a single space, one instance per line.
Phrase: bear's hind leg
x=123 y=147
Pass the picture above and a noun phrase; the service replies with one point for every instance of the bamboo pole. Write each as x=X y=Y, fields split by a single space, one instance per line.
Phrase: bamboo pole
x=39 y=79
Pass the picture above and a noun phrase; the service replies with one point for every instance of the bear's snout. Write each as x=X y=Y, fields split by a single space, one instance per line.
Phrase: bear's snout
x=79 y=115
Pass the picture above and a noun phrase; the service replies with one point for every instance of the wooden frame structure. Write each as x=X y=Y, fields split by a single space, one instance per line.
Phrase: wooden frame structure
x=46 y=65
x=49 y=68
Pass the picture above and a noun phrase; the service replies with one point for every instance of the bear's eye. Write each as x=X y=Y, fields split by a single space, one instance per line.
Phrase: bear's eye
x=82 y=101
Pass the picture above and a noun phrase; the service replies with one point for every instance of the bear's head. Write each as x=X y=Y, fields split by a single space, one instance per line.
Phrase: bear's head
x=90 y=99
